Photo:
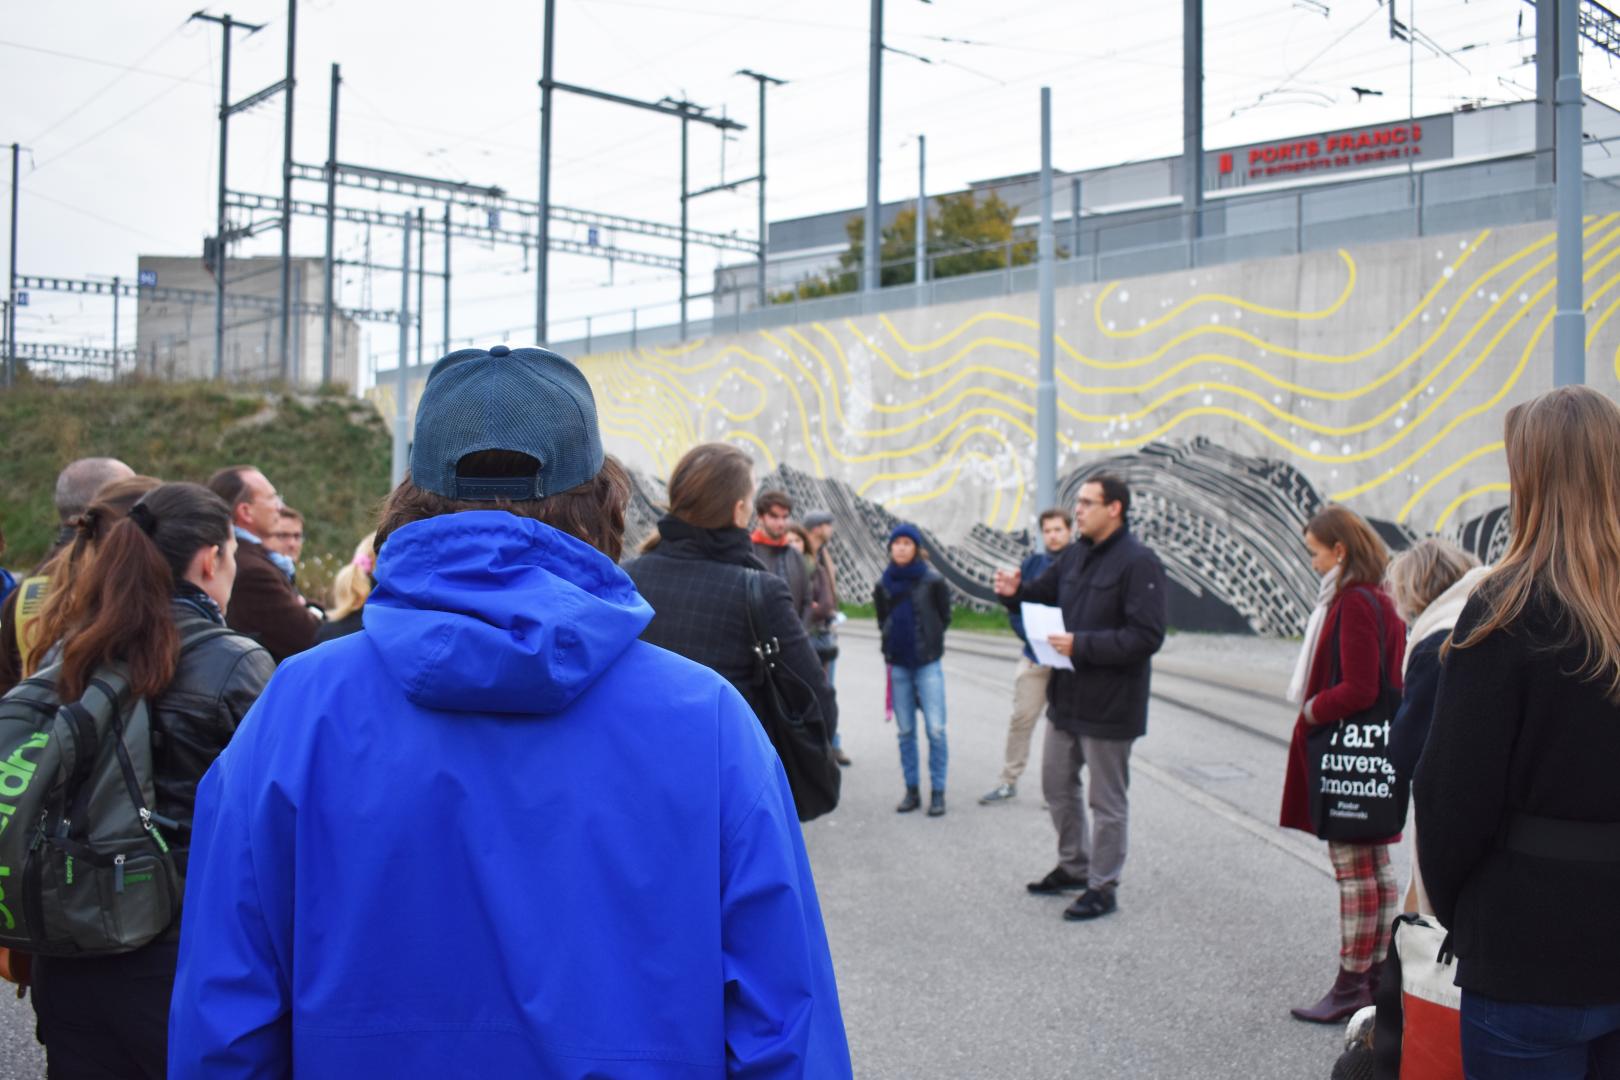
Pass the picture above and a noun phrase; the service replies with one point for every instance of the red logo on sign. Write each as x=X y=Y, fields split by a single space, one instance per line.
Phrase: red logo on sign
x=1226 y=164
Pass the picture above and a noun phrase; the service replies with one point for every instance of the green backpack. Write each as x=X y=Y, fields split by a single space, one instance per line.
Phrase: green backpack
x=84 y=865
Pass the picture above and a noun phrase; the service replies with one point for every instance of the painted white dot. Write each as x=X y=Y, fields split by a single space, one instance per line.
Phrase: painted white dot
x=1493 y=297
x=1110 y=324
x=1124 y=295
x=1141 y=322
x=1524 y=298
x=1209 y=399
x=1480 y=294
x=1448 y=271
x=1316 y=446
x=1215 y=319
x=1345 y=449
x=1425 y=316
x=1238 y=314
x=1276 y=399
x=1400 y=422
x=1462 y=245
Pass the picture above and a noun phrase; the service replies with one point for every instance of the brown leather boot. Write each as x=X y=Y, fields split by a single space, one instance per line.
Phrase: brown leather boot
x=1351 y=991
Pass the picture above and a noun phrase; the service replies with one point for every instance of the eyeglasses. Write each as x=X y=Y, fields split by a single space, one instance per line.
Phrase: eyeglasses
x=1087 y=504
x=286 y=536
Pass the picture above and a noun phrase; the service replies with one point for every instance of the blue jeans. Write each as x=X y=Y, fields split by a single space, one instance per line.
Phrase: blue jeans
x=923 y=686
x=1510 y=1039
x=830 y=666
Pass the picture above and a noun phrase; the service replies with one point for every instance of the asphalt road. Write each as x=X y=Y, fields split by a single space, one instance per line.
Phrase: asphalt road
x=948 y=968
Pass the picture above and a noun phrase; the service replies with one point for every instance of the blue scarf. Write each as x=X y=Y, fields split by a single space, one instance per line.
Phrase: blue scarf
x=898 y=582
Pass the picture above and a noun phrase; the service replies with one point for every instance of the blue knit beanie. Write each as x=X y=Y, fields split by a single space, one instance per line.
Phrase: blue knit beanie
x=907 y=530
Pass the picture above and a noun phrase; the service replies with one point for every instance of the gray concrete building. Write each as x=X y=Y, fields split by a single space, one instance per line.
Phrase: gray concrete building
x=1383 y=181
x=174 y=324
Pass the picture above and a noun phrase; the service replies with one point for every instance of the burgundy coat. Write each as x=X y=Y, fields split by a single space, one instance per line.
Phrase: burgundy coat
x=1357 y=689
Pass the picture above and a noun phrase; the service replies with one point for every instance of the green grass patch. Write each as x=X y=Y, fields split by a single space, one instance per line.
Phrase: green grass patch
x=984 y=622
x=327 y=455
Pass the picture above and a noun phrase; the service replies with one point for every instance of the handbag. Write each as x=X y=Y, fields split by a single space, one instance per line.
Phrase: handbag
x=1355 y=791
x=1419 y=1030
x=791 y=715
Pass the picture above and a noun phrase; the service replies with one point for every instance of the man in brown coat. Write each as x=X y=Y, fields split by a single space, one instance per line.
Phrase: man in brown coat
x=264 y=604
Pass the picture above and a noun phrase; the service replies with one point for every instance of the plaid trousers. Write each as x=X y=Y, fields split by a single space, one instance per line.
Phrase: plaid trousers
x=1367 y=897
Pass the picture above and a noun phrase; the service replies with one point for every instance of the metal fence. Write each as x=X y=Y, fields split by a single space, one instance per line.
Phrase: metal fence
x=1108 y=247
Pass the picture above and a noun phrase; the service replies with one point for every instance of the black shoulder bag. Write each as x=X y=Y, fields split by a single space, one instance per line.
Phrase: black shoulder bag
x=791 y=715
x=1355 y=793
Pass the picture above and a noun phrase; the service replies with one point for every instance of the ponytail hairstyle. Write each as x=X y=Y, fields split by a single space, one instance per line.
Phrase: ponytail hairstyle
x=121 y=607
x=86 y=530
x=354 y=582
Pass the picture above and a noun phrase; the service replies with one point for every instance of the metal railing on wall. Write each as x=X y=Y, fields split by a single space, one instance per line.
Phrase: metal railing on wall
x=1108 y=247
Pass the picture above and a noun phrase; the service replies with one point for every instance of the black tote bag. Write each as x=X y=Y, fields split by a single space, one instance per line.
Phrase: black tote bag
x=1355 y=793
x=791 y=716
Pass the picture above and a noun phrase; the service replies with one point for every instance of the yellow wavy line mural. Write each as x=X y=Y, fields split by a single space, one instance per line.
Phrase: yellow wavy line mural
x=919 y=416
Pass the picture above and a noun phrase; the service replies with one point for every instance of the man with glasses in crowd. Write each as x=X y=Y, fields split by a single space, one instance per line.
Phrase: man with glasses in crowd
x=264 y=604
x=1112 y=592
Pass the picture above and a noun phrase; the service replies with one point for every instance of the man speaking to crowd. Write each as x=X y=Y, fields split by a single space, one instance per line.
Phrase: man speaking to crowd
x=1111 y=590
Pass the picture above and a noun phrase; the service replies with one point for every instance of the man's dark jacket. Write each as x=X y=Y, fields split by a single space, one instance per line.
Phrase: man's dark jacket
x=265 y=606
x=1116 y=604
x=696 y=581
x=788 y=565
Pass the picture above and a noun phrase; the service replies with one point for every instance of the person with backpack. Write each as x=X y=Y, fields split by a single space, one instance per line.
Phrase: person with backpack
x=1353 y=647
x=77 y=485
x=148 y=613
x=494 y=833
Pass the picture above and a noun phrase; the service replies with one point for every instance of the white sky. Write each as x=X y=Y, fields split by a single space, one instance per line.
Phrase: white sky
x=115 y=105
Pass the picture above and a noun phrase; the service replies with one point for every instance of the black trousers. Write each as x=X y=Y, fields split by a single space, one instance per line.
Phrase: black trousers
x=106 y=1017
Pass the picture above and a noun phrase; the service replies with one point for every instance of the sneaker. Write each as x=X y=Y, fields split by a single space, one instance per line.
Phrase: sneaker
x=936 y=804
x=1002 y=793
x=910 y=802
x=1059 y=880
x=839 y=755
x=1091 y=904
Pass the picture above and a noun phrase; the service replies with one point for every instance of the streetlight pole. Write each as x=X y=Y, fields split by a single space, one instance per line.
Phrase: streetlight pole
x=922 y=210
x=542 y=265
x=1046 y=389
x=1569 y=323
x=221 y=225
x=871 y=275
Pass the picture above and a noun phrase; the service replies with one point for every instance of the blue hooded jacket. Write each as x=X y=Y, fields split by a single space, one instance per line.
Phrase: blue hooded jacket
x=496 y=835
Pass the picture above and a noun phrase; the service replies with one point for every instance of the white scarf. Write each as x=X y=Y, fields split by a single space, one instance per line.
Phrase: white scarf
x=1444 y=611
x=1313 y=631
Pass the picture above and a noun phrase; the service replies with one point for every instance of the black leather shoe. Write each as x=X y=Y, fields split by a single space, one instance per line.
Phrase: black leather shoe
x=912 y=800
x=936 y=804
x=1091 y=904
x=1059 y=880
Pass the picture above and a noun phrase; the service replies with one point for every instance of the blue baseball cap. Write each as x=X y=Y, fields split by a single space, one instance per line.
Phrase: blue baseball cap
x=530 y=401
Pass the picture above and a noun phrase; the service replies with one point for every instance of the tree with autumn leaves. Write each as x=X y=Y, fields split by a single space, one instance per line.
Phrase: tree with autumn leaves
x=965 y=235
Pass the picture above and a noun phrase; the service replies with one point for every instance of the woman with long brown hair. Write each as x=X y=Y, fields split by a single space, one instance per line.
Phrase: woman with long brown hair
x=150 y=599
x=42 y=634
x=1518 y=810
x=1350 y=651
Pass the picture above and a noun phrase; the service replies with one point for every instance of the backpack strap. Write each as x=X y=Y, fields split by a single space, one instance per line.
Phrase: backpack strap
x=31 y=593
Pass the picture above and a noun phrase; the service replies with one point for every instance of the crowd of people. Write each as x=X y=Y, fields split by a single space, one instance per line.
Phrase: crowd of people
x=619 y=876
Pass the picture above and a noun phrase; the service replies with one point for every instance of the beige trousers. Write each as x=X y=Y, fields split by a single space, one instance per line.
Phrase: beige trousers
x=1029 y=702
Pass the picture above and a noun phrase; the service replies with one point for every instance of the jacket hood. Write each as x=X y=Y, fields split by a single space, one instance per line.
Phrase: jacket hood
x=485 y=611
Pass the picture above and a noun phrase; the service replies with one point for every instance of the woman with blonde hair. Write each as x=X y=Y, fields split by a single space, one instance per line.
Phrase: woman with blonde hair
x=1429 y=582
x=1349 y=654
x=350 y=588
x=1518 y=810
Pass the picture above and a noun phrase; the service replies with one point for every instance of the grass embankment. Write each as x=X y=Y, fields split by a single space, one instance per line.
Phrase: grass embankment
x=983 y=622
x=327 y=455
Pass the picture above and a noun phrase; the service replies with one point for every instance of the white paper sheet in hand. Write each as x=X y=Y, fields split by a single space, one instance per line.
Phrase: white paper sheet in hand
x=1041 y=620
